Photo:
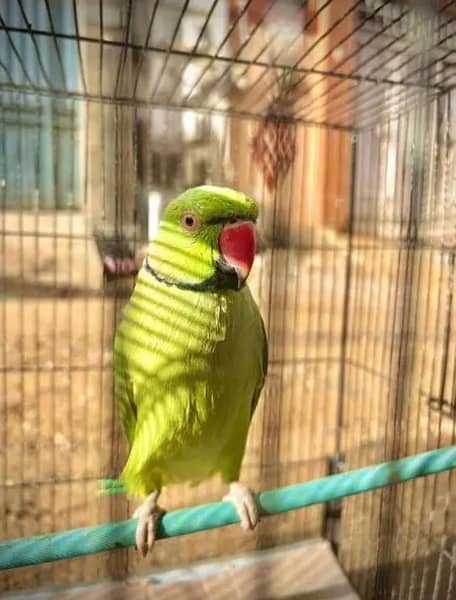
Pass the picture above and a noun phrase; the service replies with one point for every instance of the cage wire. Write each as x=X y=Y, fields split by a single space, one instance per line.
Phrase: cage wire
x=109 y=109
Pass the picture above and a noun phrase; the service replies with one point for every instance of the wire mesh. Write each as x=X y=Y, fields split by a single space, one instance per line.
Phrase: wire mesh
x=138 y=52
x=110 y=108
x=402 y=216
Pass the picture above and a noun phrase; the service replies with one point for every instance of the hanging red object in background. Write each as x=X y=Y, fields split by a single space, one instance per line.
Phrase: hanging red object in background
x=273 y=148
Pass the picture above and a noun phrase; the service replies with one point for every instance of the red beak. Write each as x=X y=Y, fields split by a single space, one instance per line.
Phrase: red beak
x=237 y=244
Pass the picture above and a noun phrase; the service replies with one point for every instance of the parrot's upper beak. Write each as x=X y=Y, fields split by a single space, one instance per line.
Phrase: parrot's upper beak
x=237 y=245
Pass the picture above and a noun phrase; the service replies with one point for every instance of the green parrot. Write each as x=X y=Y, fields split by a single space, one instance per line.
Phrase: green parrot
x=190 y=354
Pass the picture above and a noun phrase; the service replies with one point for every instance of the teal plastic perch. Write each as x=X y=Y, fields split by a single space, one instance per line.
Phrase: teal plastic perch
x=89 y=540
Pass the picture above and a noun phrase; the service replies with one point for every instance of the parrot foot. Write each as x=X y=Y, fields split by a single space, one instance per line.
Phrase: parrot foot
x=148 y=515
x=245 y=503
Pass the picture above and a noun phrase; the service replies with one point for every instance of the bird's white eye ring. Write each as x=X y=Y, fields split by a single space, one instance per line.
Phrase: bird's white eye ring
x=190 y=221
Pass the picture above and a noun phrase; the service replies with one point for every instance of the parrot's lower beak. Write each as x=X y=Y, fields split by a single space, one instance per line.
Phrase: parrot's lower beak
x=237 y=246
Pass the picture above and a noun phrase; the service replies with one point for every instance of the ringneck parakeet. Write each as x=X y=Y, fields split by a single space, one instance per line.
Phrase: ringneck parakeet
x=190 y=354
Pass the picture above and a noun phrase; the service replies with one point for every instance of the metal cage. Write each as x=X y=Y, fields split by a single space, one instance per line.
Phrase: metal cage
x=339 y=117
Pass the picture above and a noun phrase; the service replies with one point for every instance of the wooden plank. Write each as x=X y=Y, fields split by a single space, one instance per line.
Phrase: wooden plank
x=305 y=570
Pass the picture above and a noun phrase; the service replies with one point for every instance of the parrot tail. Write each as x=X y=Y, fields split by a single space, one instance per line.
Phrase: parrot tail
x=111 y=487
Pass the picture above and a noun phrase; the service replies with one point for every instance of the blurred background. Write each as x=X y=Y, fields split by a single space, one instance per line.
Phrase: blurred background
x=339 y=118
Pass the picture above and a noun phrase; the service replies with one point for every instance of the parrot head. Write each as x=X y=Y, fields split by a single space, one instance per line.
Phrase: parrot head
x=206 y=240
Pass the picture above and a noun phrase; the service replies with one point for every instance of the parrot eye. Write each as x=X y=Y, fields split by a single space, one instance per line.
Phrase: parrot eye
x=190 y=222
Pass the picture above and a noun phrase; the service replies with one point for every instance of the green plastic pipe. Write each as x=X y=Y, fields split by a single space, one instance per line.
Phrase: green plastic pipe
x=90 y=540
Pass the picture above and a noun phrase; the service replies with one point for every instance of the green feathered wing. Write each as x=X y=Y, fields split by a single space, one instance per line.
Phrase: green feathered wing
x=188 y=372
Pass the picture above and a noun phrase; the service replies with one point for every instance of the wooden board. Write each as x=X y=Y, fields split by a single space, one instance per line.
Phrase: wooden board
x=306 y=570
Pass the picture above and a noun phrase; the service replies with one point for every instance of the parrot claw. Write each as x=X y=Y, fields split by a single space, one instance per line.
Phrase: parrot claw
x=245 y=503
x=148 y=515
